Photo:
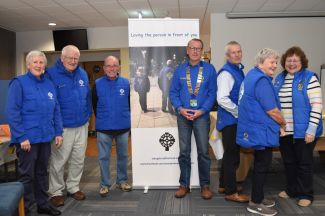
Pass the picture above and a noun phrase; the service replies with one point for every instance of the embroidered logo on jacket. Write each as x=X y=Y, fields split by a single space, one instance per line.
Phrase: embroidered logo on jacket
x=50 y=95
x=121 y=92
x=81 y=83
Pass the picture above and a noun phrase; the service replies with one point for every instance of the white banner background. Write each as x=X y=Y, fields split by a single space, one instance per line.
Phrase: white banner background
x=152 y=165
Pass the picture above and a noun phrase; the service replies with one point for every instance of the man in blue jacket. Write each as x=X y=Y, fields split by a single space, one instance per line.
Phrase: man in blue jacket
x=110 y=96
x=193 y=93
x=72 y=86
x=229 y=79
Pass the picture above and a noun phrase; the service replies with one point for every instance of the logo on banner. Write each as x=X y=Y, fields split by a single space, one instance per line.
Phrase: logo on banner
x=167 y=140
x=121 y=92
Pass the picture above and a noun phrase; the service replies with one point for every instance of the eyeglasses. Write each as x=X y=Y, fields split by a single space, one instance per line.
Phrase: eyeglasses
x=111 y=66
x=195 y=49
x=70 y=59
x=292 y=61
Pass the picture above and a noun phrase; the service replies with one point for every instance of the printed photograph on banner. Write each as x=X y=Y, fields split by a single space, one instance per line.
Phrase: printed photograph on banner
x=152 y=69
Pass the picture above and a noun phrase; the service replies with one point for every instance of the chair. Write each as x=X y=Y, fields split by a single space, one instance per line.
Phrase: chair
x=11 y=199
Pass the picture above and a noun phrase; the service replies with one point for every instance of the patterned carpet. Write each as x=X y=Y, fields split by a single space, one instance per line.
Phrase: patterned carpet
x=162 y=202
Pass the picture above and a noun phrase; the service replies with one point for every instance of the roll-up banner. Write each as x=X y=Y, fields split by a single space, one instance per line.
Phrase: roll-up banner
x=156 y=48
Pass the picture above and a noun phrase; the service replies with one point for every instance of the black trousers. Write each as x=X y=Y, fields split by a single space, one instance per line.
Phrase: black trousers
x=33 y=173
x=297 y=157
x=262 y=162
x=143 y=100
x=230 y=160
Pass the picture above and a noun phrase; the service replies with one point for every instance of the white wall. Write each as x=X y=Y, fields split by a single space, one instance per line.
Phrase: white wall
x=276 y=33
x=98 y=38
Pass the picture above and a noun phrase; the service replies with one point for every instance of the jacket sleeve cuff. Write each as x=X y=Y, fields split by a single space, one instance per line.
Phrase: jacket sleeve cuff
x=22 y=138
x=311 y=129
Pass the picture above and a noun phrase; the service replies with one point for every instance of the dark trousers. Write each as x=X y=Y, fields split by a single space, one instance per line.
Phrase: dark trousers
x=262 y=162
x=33 y=174
x=297 y=157
x=230 y=160
x=143 y=100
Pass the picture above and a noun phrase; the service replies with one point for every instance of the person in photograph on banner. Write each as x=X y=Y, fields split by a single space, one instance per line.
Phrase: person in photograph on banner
x=74 y=96
x=229 y=79
x=142 y=86
x=111 y=105
x=164 y=80
x=193 y=93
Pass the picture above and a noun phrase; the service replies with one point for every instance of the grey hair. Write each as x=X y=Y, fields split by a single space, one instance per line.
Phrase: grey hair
x=264 y=54
x=33 y=54
x=69 y=48
x=114 y=58
x=231 y=43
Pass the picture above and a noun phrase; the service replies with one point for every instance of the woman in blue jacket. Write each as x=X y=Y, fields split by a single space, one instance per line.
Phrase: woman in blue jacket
x=301 y=105
x=259 y=121
x=34 y=118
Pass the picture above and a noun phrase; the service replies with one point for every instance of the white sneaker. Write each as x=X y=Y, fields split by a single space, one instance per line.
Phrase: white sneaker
x=260 y=209
x=268 y=203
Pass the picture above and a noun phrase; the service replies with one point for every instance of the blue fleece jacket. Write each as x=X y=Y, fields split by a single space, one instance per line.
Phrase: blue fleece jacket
x=33 y=111
x=73 y=92
x=179 y=94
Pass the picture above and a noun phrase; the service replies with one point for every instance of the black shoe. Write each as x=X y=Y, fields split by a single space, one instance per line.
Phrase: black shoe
x=49 y=211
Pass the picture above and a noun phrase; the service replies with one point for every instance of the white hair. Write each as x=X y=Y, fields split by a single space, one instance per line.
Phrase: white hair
x=70 y=48
x=264 y=54
x=33 y=54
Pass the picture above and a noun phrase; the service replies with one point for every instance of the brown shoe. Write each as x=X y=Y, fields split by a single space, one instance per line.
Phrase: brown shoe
x=57 y=201
x=242 y=198
x=78 y=195
x=222 y=189
x=182 y=191
x=206 y=193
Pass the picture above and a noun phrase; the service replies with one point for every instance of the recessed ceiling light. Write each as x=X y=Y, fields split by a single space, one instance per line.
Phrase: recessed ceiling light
x=52 y=24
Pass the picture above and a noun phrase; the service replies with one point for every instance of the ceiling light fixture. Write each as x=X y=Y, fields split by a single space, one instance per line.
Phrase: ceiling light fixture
x=240 y=15
x=52 y=24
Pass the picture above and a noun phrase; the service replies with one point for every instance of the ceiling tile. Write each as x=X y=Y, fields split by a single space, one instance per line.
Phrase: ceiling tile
x=300 y=5
x=320 y=6
x=12 y=4
x=248 y=5
x=106 y=5
x=221 y=6
x=276 y=5
x=40 y=3
x=165 y=4
x=192 y=3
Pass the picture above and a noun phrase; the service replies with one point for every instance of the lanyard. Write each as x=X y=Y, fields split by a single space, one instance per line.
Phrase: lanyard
x=198 y=81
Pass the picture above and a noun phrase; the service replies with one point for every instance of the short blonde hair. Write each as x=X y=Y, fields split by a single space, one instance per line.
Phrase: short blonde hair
x=264 y=54
x=230 y=43
x=33 y=54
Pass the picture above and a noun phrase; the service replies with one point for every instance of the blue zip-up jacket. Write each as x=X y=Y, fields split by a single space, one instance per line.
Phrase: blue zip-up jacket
x=301 y=107
x=112 y=109
x=255 y=128
x=33 y=111
x=73 y=92
x=179 y=94
x=225 y=118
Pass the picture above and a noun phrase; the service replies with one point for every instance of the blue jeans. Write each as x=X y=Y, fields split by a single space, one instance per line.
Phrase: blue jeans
x=104 y=144
x=201 y=128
